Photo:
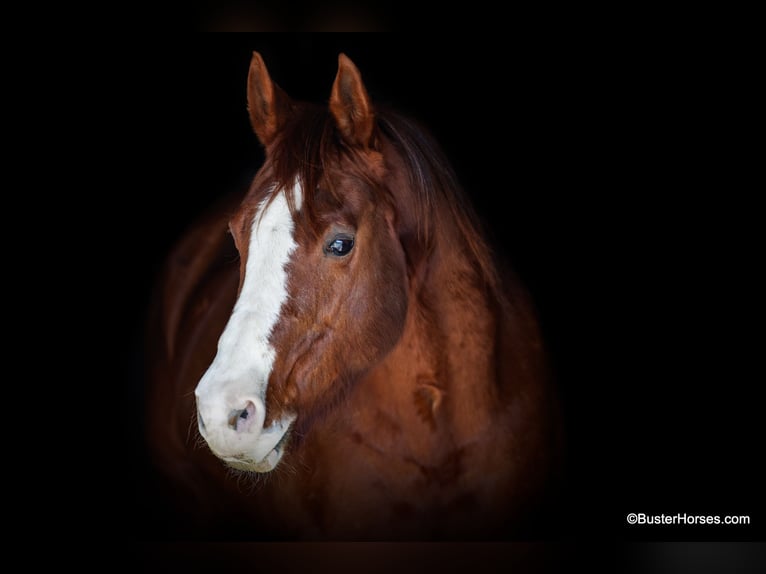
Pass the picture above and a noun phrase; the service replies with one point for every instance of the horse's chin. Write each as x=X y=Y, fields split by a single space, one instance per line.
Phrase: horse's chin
x=266 y=464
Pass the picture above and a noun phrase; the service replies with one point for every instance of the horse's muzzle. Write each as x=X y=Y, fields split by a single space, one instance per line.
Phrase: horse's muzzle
x=237 y=435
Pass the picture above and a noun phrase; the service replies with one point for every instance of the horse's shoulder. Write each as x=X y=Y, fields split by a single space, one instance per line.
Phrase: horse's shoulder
x=201 y=258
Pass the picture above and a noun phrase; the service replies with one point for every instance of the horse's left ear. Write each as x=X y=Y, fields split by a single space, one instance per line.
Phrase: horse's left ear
x=350 y=104
x=267 y=104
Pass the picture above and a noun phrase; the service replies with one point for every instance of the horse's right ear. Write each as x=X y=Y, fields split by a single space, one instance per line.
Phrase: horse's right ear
x=267 y=104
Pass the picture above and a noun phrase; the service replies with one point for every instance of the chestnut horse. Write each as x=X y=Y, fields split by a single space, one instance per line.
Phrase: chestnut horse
x=365 y=370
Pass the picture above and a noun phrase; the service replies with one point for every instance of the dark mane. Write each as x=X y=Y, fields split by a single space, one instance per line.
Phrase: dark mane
x=311 y=142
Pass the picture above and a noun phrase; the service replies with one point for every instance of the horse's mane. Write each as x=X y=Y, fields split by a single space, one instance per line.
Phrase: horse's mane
x=311 y=142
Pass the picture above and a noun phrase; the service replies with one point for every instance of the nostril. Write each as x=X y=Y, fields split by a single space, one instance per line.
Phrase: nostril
x=240 y=420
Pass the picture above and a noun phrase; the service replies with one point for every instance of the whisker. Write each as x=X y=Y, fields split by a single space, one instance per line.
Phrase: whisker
x=192 y=425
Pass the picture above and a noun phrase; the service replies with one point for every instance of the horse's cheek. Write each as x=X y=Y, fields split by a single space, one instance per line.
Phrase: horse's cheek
x=390 y=309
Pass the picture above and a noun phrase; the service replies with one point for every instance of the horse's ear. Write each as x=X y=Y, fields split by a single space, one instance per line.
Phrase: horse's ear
x=350 y=105
x=267 y=104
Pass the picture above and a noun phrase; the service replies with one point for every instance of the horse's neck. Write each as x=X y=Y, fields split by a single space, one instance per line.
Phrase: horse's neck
x=440 y=379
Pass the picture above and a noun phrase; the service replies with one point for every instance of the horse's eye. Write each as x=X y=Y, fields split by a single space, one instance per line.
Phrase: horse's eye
x=340 y=245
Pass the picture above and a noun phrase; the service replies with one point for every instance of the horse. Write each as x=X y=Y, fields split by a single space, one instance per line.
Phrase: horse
x=338 y=354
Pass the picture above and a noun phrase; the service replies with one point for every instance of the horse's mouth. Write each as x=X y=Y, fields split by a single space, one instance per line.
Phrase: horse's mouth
x=267 y=463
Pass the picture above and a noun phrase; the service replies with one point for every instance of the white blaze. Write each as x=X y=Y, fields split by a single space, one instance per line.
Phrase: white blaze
x=241 y=368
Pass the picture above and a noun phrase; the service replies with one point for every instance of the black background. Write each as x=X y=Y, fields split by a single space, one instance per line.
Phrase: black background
x=618 y=185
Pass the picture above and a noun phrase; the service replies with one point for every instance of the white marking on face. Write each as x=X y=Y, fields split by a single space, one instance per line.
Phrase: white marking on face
x=241 y=368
